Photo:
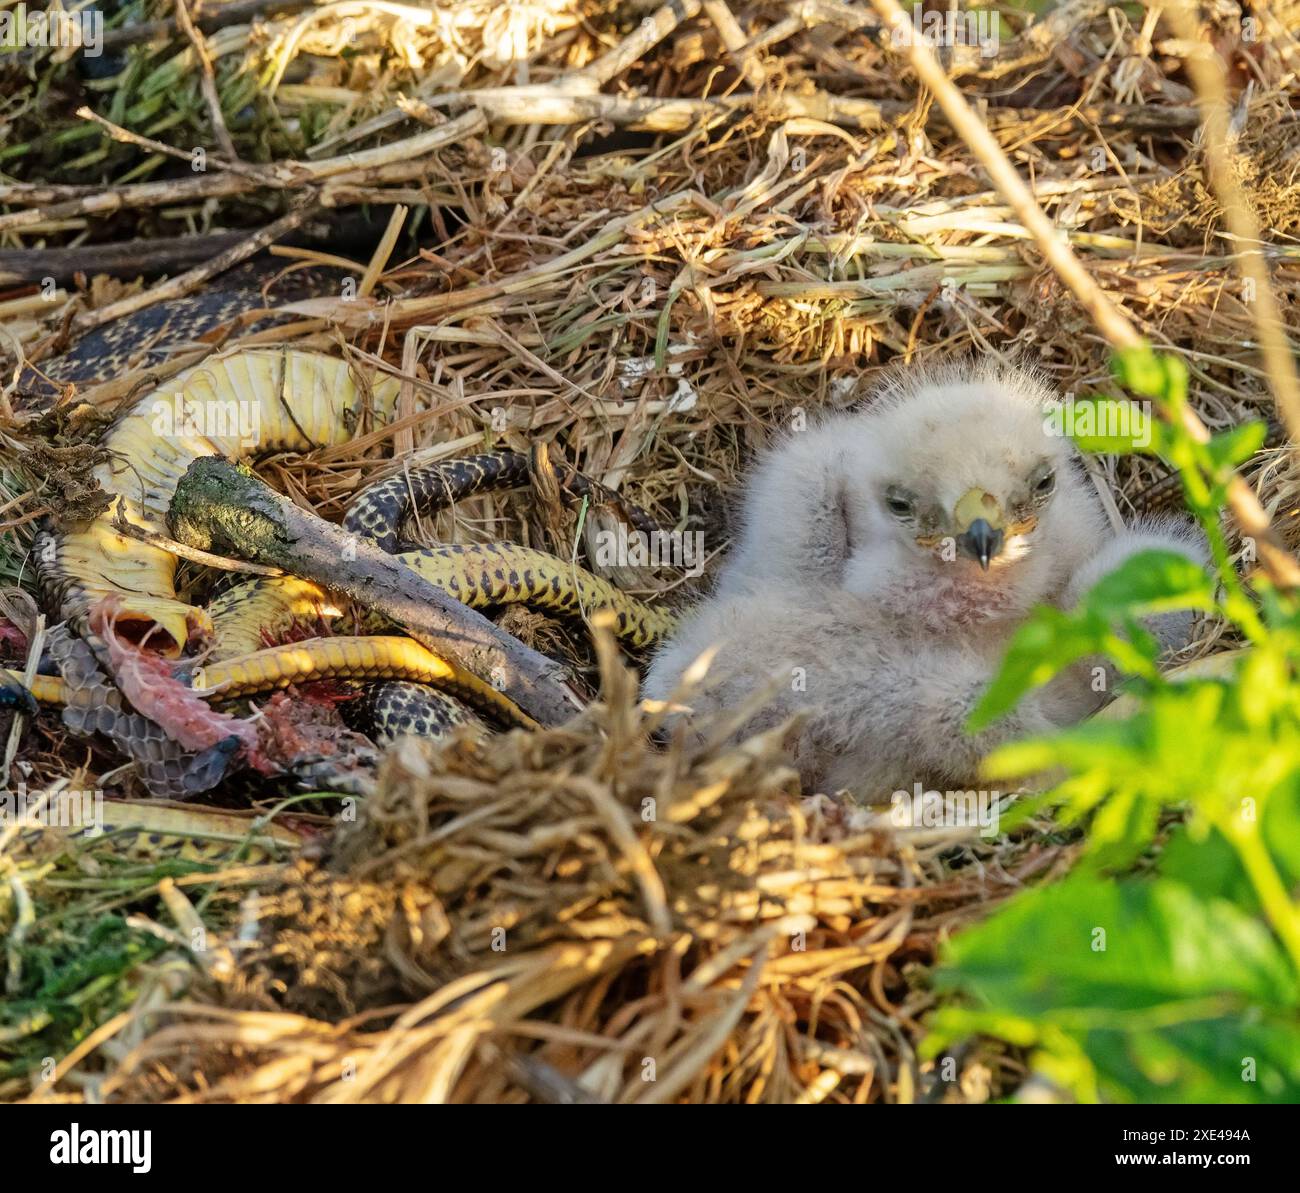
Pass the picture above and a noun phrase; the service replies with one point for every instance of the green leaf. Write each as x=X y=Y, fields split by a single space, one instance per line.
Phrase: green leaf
x=1164 y=991
x=1122 y=828
x=1113 y=746
x=1213 y=1060
x=1200 y=857
x=1151 y=374
x=1264 y=685
x=1148 y=583
x=1227 y=449
x=1207 y=862
x=1159 y=943
x=1205 y=1061
x=1049 y=641
x=1108 y=425
x=1180 y=986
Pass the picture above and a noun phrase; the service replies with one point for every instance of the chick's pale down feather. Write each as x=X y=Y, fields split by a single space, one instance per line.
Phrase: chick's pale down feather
x=854 y=594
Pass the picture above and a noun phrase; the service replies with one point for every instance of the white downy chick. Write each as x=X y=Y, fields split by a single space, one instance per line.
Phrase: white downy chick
x=885 y=558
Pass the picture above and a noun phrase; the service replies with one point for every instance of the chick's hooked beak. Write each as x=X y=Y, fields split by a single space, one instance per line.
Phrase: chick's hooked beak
x=978 y=518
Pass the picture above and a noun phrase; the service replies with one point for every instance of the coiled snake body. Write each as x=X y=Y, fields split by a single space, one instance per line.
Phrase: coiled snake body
x=252 y=403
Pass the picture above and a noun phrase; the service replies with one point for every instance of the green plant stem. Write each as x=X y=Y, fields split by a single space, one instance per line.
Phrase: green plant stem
x=1281 y=912
x=1236 y=605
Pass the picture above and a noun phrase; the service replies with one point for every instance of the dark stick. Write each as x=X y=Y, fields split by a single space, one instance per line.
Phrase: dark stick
x=149 y=258
x=186 y=283
x=218 y=507
x=131 y=259
x=1134 y=117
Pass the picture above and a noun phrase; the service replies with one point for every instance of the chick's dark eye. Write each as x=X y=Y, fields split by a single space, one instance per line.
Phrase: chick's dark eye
x=1044 y=484
x=898 y=503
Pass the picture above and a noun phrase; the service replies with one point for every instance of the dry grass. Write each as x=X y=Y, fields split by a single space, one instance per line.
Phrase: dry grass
x=496 y=925
x=655 y=306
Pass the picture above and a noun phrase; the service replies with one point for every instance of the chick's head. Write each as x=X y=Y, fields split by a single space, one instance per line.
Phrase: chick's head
x=963 y=501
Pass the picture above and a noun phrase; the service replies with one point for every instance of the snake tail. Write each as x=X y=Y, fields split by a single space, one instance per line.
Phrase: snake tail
x=381 y=510
x=373 y=657
x=492 y=574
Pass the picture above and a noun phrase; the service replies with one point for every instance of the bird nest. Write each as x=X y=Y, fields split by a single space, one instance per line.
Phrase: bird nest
x=723 y=229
